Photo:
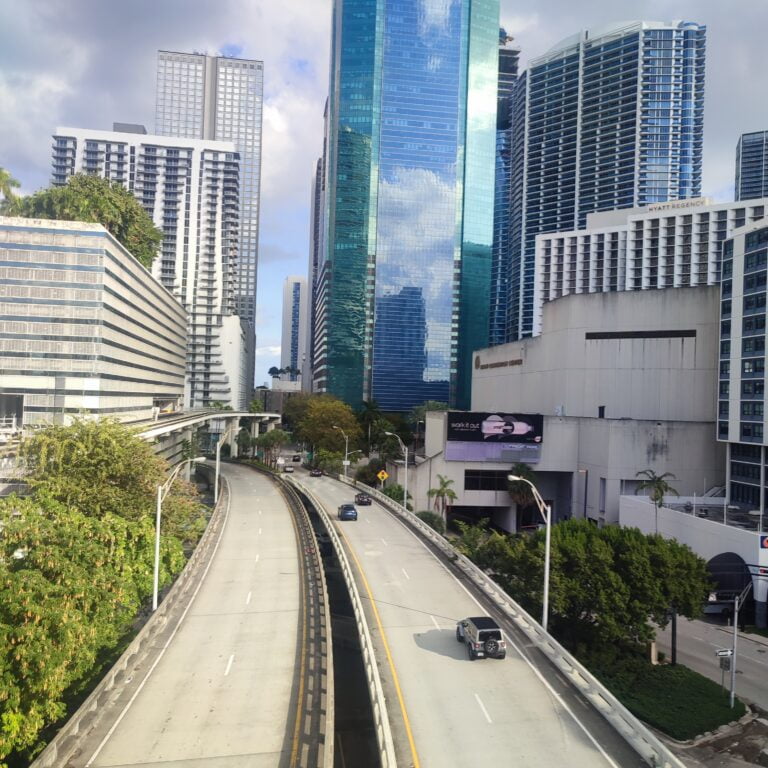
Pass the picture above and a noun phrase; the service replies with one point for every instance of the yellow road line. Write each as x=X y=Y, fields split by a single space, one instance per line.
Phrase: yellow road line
x=398 y=690
x=303 y=608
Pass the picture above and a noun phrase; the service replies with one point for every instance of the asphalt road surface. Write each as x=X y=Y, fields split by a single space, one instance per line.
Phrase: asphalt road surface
x=449 y=711
x=697 y=642
x=220 y=694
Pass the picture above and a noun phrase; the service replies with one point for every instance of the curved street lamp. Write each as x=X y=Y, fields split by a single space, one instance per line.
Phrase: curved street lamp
x=346 y=449
x=404 y=449
x=546 y=512
x=162 y=492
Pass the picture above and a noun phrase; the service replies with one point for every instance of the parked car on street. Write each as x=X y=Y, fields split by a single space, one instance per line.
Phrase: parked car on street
x=347 y=512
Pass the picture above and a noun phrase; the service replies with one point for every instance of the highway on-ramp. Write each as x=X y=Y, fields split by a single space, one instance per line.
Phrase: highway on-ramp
x=445 y=710
x=220 y=694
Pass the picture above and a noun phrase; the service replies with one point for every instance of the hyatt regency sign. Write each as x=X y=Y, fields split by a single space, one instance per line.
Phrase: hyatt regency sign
x=499 y=437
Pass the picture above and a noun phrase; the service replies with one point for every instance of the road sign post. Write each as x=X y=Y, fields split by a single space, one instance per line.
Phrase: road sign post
x=382 y=475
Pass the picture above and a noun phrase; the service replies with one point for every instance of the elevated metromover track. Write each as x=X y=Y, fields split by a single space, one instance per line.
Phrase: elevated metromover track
x=444 y=710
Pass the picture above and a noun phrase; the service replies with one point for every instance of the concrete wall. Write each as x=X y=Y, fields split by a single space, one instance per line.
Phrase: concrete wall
x=562 y=371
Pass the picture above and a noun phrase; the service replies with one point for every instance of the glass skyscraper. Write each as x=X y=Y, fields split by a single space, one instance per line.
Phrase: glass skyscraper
x=408 y=216
x=752 y=166
x=221 y=98
x=609 y=118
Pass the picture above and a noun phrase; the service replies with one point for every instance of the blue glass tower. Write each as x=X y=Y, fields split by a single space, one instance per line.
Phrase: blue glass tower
x=752 y=166
x=609 y=118
x=409 y=200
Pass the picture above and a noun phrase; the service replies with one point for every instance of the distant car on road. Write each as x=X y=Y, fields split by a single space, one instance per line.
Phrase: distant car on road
x=347 y=512
x=482 y=636
x=288 y=468
x=296 y=457
x=363 y=500
x=315 y=472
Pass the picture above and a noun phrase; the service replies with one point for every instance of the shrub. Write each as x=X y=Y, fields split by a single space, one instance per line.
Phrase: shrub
x=433 y=520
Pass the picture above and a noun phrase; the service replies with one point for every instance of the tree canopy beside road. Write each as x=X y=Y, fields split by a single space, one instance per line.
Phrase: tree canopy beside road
x=93 y=199
x=76 y=565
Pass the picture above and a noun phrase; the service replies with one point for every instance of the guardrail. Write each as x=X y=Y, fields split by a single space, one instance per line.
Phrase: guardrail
x=375 y=689
x=637 y=734
x=66 y=742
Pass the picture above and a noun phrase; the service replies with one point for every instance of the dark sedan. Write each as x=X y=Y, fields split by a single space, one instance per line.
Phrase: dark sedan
x=315 y=472
x=363 y=499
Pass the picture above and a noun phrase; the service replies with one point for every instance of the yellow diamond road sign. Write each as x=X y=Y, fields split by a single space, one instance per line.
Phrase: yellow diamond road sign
x=382 y=475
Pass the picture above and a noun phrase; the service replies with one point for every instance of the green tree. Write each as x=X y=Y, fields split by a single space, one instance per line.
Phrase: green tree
x=295 y=408
x=274 y=371
x=244 y=441
x=442 y=495
x=368 y=473
x=322 y=414
x=272 y=443
x=368 y=414
x=607 y=585
x=658 y=488
x=93 y=199
x=520 y=491
x=103 y=467
x=330 y=462
x=396 y=492
x=9 y=199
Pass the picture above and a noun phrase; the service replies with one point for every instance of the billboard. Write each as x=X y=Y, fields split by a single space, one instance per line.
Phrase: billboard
x=499 y=437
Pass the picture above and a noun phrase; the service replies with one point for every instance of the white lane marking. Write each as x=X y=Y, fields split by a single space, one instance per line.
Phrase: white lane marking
x=385 y=543
x=434 y=621
x=257 y=559
x=133 y=698
x=259 y=531
x=405 y=573
x=367 y=520
x=519 y=650
x=485 y=711
x=259 y=511
x=229 y=664
x=248 y=599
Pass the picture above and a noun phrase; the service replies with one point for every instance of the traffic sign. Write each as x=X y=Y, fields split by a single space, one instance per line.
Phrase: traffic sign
x=383 y=475
x=724 y=652
x=725 y=664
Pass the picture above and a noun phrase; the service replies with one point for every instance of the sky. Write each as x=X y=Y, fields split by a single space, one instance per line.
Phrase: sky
x=89 y=63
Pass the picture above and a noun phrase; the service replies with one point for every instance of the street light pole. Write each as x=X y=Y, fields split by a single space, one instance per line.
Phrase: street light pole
x=545 y=510
x=737 y=603
x=162 y=492
x=404 y=449
x=346 y=449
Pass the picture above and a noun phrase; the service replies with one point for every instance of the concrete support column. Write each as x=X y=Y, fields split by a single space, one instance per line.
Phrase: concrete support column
x=232 y=439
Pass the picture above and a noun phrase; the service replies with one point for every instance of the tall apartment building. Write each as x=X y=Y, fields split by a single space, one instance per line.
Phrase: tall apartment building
x=741 y=409
x=408 y=200
x=84 y=328
x=316 y=248
x=509 y=57
x=609 y=118
x=190 y=189
x=293 y=345
x=221 y=98
x=752 y=165
x=665 y=245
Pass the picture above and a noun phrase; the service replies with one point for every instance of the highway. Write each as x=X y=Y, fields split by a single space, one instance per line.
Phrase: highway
x=220 y=693
x=697 y=642
x=445 y=710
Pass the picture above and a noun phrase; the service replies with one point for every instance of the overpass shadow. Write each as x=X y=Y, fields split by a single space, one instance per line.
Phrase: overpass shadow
x=442 y=642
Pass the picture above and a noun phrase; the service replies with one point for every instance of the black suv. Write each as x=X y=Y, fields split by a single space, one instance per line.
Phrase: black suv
x=482 y=636
x=363 y=499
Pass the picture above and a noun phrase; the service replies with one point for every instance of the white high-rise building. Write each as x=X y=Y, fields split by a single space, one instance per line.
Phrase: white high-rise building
x=293 y=347
x=190 y=188
x=665 y=245
x=221 y=98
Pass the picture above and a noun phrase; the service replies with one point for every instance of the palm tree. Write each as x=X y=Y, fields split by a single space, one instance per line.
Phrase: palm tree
x=658 y=487
x=442 y=495
x=520 y=491
x=368 y=415
x=7 y=185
